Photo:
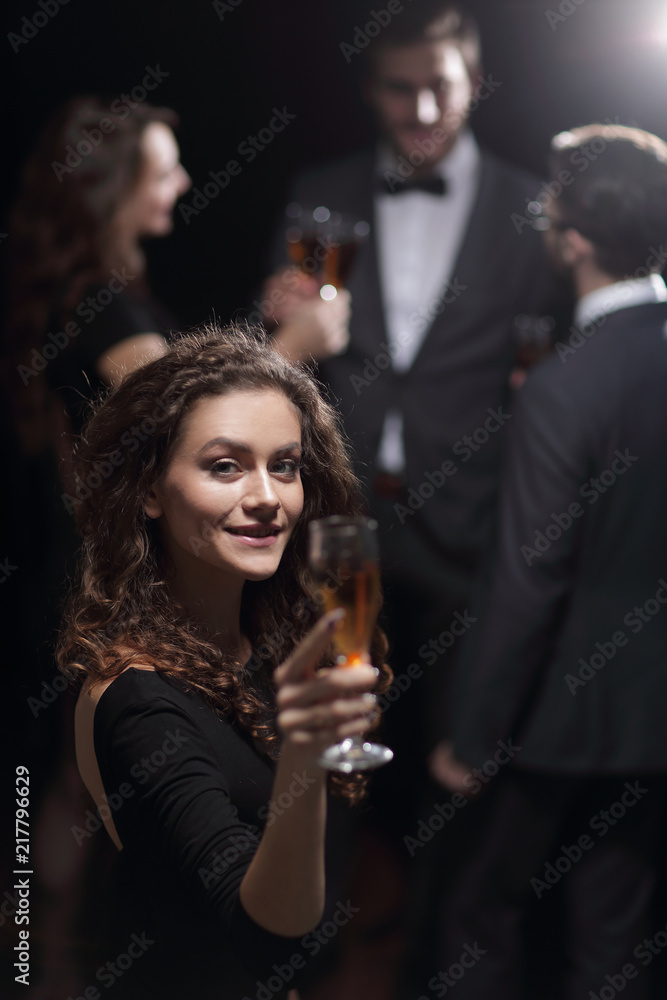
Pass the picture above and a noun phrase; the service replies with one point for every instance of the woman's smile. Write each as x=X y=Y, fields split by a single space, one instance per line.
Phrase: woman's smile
x=232 y=492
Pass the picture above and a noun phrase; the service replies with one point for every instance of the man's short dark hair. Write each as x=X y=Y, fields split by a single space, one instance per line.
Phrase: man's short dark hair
x=614 y=192
x=429 y=21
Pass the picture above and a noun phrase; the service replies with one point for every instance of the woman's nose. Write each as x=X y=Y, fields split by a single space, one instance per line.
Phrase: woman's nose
x=184 y=180
x=260 y=491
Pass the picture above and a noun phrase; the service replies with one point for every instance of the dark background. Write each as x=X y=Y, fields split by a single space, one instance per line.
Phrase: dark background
x=607 y=59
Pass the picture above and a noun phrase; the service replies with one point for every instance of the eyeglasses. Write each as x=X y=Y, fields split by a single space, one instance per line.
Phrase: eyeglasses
x=542 y=221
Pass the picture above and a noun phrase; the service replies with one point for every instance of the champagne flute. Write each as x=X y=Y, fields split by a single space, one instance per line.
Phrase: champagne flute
x=325 y=243
x=343 y=557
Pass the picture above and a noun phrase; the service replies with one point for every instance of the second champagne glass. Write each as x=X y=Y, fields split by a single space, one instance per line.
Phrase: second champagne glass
x=324 y=243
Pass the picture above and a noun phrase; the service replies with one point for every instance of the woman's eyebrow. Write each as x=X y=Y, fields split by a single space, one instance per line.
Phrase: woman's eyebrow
x=226 y=442
x=239 y=446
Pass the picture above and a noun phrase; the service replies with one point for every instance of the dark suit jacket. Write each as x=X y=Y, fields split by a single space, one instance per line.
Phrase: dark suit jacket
x=569 y=656
x=462 y=367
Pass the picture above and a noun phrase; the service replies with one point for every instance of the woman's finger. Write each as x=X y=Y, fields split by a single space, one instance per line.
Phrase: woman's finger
x=326 y=715
x=303 y=659
x=327 y=685
x=319 y=739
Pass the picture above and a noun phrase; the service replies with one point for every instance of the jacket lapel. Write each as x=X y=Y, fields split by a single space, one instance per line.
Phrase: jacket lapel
x=466 y=294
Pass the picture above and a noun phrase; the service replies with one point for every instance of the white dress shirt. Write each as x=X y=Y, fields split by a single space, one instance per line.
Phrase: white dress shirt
x=619 y=295
x=419 y=236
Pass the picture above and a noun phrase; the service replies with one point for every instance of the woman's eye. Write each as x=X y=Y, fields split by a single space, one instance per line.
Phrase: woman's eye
x=225 y=466
x=286 y=467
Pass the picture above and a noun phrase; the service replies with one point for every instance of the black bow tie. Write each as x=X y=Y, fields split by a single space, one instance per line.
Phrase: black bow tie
x=431 y=185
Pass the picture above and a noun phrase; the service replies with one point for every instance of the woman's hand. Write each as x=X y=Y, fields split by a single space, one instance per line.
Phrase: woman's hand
x=319 y=708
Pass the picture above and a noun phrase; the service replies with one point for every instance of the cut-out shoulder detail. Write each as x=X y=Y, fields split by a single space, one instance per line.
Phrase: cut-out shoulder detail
x=84 y=727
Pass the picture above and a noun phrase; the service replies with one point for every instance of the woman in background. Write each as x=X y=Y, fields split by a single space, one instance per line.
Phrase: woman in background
x=80 y=307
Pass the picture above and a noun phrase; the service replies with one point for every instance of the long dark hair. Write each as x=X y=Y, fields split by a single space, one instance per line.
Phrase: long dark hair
x=123 y=611
x=61 y=231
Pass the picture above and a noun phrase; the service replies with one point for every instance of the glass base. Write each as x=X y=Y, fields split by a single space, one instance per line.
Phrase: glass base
x=355 y=755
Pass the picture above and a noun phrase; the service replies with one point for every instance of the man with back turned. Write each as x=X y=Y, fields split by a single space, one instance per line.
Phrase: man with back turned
x=568 y=663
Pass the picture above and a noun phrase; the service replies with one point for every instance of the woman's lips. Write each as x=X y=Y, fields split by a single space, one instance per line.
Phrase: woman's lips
x=257 y=537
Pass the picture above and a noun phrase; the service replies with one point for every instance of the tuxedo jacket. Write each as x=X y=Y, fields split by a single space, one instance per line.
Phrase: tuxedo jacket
x=568 y=657
x=457 y=384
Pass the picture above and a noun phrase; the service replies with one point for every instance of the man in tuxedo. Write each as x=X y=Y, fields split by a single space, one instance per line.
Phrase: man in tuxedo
x=568 y=666
x=422 y=383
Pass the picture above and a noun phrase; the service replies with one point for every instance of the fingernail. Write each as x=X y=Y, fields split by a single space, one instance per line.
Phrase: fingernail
x=377 y=672
x=369 y=699
x=335 y=617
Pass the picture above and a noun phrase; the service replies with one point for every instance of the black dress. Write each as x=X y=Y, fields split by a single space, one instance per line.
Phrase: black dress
x=102 y=319
x=188 y=792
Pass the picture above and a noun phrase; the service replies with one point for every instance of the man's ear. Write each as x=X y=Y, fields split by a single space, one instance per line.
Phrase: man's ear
x=152 y=504
x=575 y=247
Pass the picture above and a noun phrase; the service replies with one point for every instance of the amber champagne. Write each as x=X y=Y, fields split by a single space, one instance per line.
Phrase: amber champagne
x=334 y=264
x=358 y=593
x=344 y=561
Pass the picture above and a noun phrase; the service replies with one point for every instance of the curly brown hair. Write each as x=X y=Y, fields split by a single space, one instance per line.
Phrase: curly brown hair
x=123 y=611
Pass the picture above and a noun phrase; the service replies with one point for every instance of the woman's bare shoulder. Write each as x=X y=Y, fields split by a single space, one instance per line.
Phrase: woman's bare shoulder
x=94 y=687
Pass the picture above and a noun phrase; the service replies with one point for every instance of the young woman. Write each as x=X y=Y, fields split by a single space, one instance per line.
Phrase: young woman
x=80 y=307
x=202 y=708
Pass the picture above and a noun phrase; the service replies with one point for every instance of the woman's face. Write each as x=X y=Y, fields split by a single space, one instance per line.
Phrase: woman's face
x=232 y=492
x=162 y=180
